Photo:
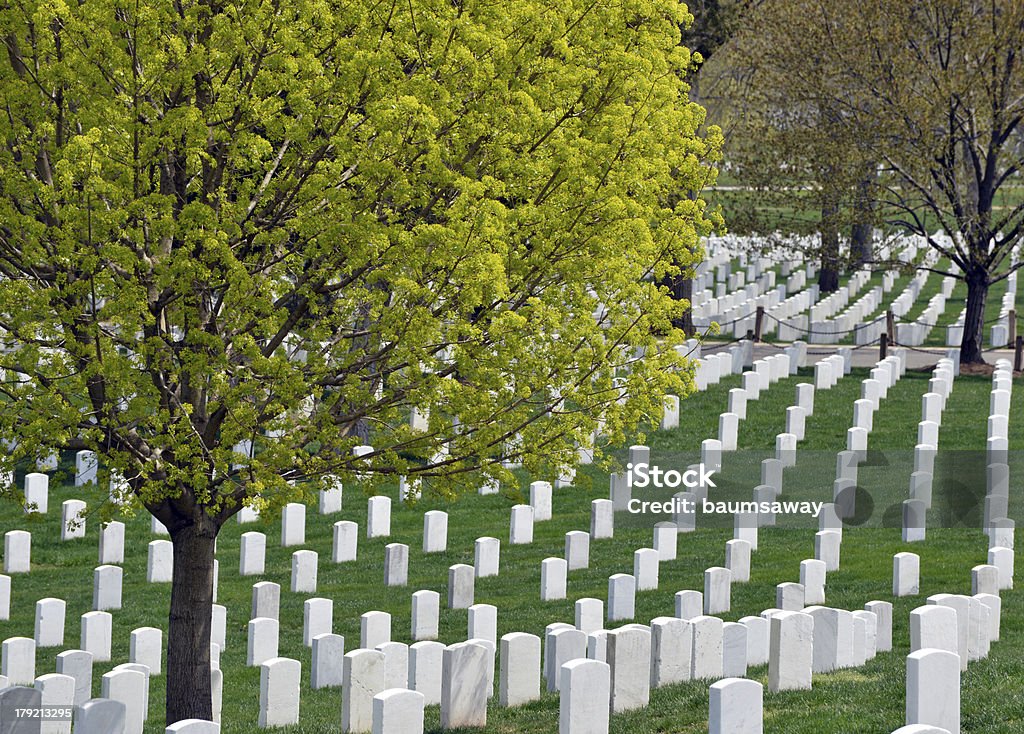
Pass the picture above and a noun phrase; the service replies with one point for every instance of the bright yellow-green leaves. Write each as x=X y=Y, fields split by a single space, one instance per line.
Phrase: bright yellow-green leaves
x=291 y=226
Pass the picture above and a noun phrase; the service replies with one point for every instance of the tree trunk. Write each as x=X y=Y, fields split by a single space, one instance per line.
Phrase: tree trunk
x=828 y=276
x=860 y=242
x=188 y=633
x=861 y=250
x=974 y=319
x=681 y=289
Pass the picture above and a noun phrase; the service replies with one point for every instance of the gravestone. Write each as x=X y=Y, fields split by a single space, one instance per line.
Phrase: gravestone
x=602 y=519
x=564 y=644
x=832 y=639
x=789 y=596
x=95 y=635
x=317 y=619
x=791 y=654
x=426 y=611
x=330 y=495
x=378 y=517
x=553 y=574
x=396 y=564
x=374 y=629
x=460 y=586
x=99 y=716
x=346 y=540
x=253 y=553
x=706 y=661
x=589 y=614
x=304 y=572
x=425 y=661
x=486 y=557
x=362 y=679
x=18 y=661
x=78 y=665
x=666 y=540
x=734 y=650
x=106 y=588
x=464 y=685
x=160 y=564
x=914 y=520
x=717 y=590
x=279 y=692
x=826 y=548
x=128 y=687
x=521 y=525
x=671 y=650
x=870 y=642
x=72 y=519
x=689 y=604
x=483 y=623
x=146 y=645
x=758 y=640
x=56 y=692
x=49 y=622
x=883 y=631
x=577 y=549
x=519 y=675
x=327 y=660
x=645 y=569
x=1002 y=559
x=37 y=493
x=266 y=600
x=218 y=625
x=435 y=531
x=396 y=664
x=735 y=706
x=985 y=580
x=812 y=578
x=17 y=551
x=540 y=500
x=262 y=641
x=293 y=525
x=585 y=702
x=906 y=571
x=629 y=658
x=621 y=597
x=398 y=711
x=112 y=543
x=11 y=700
x=933 y=689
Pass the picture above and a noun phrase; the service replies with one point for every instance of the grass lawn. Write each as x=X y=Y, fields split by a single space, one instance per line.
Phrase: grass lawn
x=866 y=699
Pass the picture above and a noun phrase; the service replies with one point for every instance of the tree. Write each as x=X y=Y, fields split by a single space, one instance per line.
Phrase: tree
x=928 y=95
x=772 y=86
x=292 y=225
x=703 y=32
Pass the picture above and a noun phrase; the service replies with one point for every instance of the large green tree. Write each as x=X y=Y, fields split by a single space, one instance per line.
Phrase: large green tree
x=912 y=112
x=293 y=223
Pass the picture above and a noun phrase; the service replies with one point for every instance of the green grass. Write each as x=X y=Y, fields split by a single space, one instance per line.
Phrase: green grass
x=867 y=699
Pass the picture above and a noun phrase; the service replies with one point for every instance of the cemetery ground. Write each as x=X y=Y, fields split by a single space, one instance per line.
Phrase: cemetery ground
x=863 y=699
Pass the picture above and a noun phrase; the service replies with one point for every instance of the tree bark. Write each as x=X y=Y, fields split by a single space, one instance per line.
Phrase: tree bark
x=860 y=242
x=681 y=289
x=188 y=633
x=860 y=232
x=972 y=343
x=828 y=274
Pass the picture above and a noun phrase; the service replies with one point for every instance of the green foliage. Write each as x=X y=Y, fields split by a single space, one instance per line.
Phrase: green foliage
x=241 y=222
